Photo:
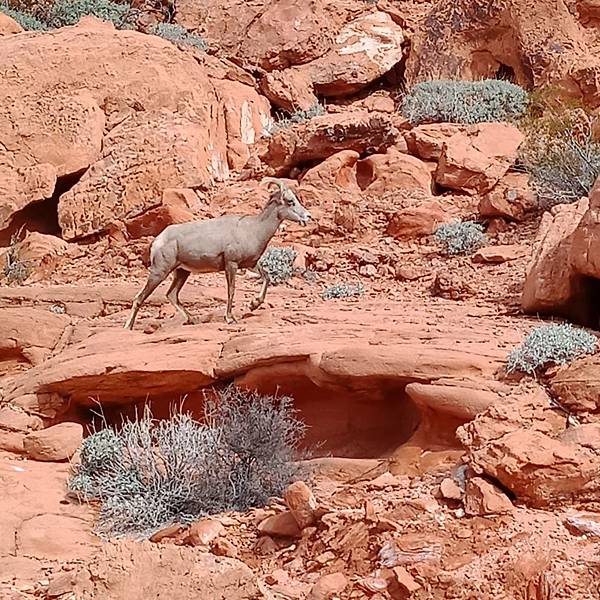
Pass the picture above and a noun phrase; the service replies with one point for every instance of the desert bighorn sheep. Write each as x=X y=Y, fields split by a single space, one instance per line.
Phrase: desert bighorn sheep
x=224 y=243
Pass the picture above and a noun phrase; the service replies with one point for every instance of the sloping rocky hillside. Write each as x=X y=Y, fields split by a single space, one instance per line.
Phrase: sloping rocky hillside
x=435 y=471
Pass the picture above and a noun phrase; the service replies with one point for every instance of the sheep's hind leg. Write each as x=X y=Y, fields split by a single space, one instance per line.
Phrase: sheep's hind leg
x=256 y=302
x=179 y=278
x=154 y=280
x=230 y=271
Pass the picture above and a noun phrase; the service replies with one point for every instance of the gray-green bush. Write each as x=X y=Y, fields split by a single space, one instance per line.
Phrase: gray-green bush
x=69 y=12
x=464 y=102
x=149 y=474
x=179 y=35
x=300 y=116
x=462 y=237
x=277 y=264
x=562 y=159
x=26 y=20
x=342 y=290
x=554 y=344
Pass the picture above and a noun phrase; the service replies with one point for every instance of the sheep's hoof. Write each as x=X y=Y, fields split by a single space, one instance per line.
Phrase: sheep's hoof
x=191 y=321
x=230 y=320
x=255 y=304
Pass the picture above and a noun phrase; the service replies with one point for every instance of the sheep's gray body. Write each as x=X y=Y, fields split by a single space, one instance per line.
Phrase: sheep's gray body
x=221 y=244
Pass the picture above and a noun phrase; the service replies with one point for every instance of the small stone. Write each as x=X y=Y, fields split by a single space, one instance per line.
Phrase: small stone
x=500 y=254
x=172 y=531
x=328 y=586
x=202 y=533
x=301 y=502
x=483 y=498
x=223 y=547
x=282 y=524
x=405 y=580
x=450 y=489
x=61 y=584
x=56 y=443
x=383 y=481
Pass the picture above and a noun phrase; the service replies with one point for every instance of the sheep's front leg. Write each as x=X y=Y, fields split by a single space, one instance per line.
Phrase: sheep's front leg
x=256 y=302
x=230 y=271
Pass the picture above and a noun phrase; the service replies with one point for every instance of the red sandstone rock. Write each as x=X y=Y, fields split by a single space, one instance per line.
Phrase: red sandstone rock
x=282 y=524
x=427 y=141
x=290 y=90
x=416 y=221
x=301 y=502
x=450 y=489
x=512 y=198
x=474 y=160
x=8 y=26
x=328 y=586
x=393 y=170
x=29 y=334
x=56 y=443
x=324 y=136
x=204 y=532
x=364 y=50
x=483 y=498
x=551 y=284
x=500 y=253
x=271 y=35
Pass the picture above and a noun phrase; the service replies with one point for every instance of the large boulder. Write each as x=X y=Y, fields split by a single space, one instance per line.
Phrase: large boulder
x=321 y=137
x=364 y=50
x=518 y=442
x=270 y=35
x=475 y=159
x=130 y=114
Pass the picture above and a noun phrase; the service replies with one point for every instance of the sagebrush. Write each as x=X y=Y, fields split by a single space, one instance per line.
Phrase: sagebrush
x=342 y=290
x=15 y=269
x=179 y=35
x=25 y=19
x=277 y=264
x=462 y=237
x=446 y=101
x=562 y=157
x=69 y=12
x=148 y=473
x=554 y=344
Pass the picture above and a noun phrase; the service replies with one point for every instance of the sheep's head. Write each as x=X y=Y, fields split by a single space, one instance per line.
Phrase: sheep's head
x=289 y=207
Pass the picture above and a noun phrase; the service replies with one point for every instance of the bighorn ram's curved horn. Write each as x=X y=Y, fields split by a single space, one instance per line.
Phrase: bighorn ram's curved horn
x=272 y=181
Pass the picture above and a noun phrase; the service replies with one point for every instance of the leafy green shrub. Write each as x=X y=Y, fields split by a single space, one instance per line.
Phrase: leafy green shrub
x=300 y=116
x=342 y=290
x=179 y=35
x=152 y=473
x=26 y=20
x=277 y=264
x=551 y=344
x=464 y=102
x=462 y=237
x=69 y=12
x=562 y=158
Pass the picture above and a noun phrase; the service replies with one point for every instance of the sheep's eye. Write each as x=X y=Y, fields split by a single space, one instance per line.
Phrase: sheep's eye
x=290 y=201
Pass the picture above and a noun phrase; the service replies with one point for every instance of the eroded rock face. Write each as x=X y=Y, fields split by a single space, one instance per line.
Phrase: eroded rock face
x=131 y=112
x=536 y=42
